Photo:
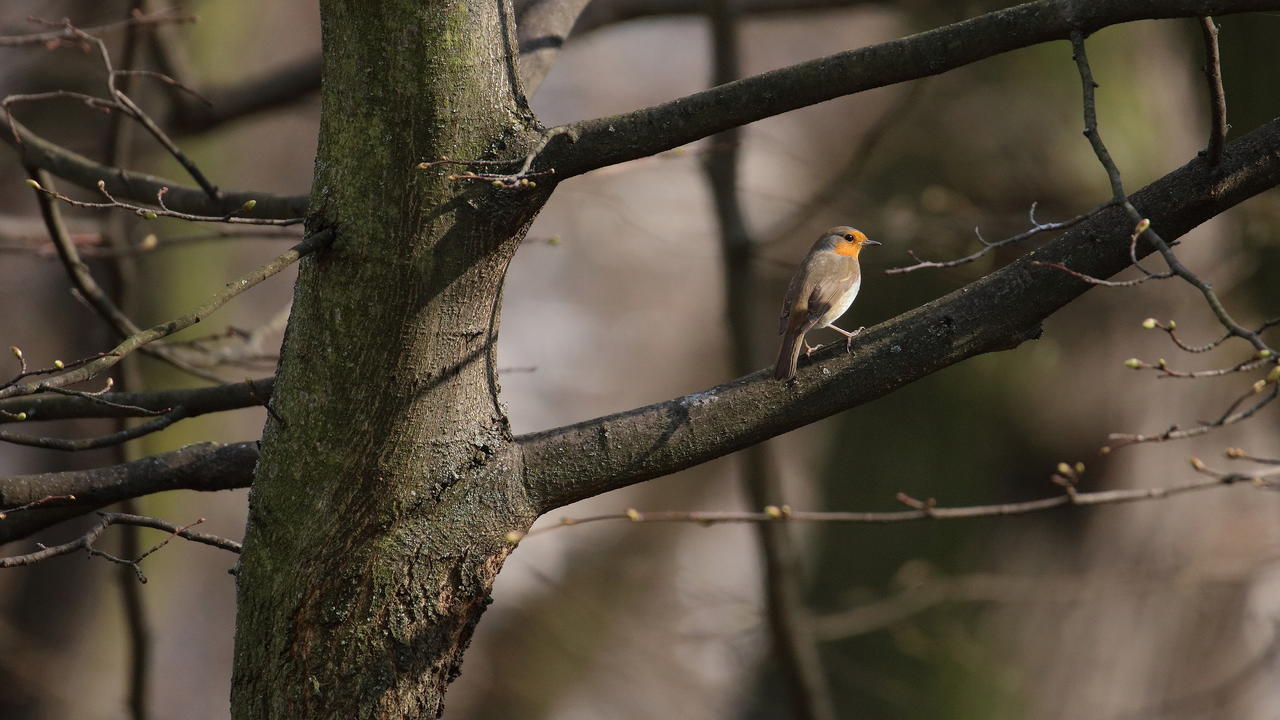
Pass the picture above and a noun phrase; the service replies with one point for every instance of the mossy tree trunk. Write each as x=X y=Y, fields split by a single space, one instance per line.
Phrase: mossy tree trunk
x=389 y=485
x=388 y=480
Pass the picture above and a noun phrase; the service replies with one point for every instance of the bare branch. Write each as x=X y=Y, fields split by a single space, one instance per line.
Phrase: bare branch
x=90 y=369
x=63 y=36
x=121 y=436
x=1230 y=417
x=1037 y=227
x=1168 y=372
x=82 y=280
x=1217 y=97
x=928 y=509
x=141 y=188
x=55 y=497
x=161 y=210
x=610 y=140
x=1143 y=226
x=996 y=312
x=86 y=542
x=197 y=401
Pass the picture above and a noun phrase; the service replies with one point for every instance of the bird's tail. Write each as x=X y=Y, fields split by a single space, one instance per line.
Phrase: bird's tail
x=788 y=354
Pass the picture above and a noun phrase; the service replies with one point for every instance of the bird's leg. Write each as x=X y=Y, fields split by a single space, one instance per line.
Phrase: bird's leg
x=808 y=349
x=848 y=336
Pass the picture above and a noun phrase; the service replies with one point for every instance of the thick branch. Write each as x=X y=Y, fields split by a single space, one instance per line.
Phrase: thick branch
x=202 y=466
x=543 y=28
x=619 y=138
x=997 y=312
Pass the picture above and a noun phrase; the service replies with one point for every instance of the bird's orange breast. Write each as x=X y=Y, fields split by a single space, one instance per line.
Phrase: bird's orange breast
x=849 y=249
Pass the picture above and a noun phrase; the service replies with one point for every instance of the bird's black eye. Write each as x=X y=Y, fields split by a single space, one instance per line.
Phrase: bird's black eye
x=848 y=237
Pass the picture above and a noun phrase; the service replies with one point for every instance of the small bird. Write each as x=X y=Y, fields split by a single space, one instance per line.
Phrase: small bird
x=821 y=291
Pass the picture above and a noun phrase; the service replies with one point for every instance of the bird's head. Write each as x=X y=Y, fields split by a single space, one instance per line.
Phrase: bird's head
x=844 y=240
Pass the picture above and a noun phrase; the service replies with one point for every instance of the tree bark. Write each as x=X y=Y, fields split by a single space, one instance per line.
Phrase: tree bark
x=384 y=494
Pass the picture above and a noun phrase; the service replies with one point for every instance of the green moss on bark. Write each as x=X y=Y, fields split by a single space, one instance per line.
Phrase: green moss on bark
x=380 y=505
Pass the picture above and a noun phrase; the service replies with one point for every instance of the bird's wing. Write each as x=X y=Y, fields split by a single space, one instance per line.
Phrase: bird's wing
x=788 y=300
x=828 y=278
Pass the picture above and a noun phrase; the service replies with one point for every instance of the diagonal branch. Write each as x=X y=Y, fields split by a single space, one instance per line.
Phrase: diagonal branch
x=997 y=312
x=91 y=369
x=86 y=542
x=35 y=151
x=82 y=280
x=55 y=497
x=543 y=27
x=611 y=140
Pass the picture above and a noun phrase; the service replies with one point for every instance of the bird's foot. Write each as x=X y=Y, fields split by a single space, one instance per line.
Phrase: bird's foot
x=848 y=336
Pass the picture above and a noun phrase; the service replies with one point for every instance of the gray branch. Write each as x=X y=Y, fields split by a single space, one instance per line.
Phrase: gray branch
x=35 y=151
x=997 y=312
x=202 y=466
x=601 y=142
x=196 y=401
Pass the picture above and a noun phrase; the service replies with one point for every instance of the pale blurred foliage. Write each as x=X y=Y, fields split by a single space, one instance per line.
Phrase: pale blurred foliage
x=616 y=301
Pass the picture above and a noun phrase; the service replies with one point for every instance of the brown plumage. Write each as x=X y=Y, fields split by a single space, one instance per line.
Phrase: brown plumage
x=822 y=290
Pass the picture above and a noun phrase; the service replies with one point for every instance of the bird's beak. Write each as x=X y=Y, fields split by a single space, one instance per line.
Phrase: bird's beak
x=869 y=241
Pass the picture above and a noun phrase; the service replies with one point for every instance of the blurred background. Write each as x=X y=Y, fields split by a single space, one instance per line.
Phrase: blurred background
x=1165 y=609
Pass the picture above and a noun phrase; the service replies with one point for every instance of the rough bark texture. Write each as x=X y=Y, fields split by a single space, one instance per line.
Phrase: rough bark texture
x=379 y=510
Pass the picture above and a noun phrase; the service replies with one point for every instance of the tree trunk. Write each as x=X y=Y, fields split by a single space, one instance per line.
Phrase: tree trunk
x=388 y=482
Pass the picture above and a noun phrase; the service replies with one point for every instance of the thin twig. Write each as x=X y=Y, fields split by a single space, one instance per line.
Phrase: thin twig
x=62 y=34
x=1231 y=417
x=309 y=244
x=1117 y=194
x=47 y=500
x=160 y=210
x=83 y=281
x=86 y=541
x=132 y=110
x=923 y=510
x=1265 y=354
x=1217 y=97
x=1036 y=228
x=1168 y=372
x=1238 y=454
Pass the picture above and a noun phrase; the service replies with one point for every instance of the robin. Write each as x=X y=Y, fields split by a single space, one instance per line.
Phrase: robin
x=821 y=291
